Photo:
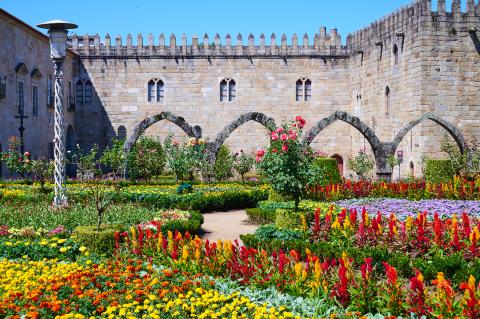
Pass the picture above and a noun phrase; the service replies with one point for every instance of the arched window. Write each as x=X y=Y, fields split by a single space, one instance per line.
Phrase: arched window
x=88 y=92
x=155 y=90
x=160 y=92
x=79 y=92
x=303 y=90
x=395 y=54
x=387 y=99
x=228 y=90
x=122 y=133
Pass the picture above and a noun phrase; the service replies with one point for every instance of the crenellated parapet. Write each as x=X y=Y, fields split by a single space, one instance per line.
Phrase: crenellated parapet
x=322 y=45
x=413 y=19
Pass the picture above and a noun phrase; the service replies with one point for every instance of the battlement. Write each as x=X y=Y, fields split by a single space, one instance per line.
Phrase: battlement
x=408 y=19
x=323 y=46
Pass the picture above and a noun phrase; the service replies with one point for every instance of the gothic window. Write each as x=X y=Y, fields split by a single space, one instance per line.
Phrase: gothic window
x=228 y=90
x=35 y=101
x=303 y=90
x=122 y=133
x=160 y=91
x=395 y=54
x=79 y=92
x=49 y=91
x=20 y=99
x=88 y=92
x=155 y=90
x=387 y=99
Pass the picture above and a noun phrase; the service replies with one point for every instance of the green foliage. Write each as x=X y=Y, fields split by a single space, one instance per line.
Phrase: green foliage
x=42 y=171
x=87 y=165
x=146 y=160
x=287 y=161
x=114 y=158
x=100 y=242
x=273 y=196
x=361 y=164
x=184 y=188
x=14 y=160
x=191 y=225
x=438 y=171
x=325 y=172
x=187 y=158
x=288 y=219
x=269 y=232
x=259 y=216
x=393 y=161
x=223 y=167
x=243 y=163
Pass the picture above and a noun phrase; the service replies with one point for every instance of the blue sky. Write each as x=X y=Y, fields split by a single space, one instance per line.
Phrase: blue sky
x=227 y=16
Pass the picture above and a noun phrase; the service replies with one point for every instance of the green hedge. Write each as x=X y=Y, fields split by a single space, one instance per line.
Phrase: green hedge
x=326 y=171
x=99 y=242
x=192 y=225
x=454 y=266
x=438 y=171
x=259 y=216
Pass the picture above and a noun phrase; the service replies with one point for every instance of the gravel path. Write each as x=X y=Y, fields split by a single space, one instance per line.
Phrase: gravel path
x=226 y=225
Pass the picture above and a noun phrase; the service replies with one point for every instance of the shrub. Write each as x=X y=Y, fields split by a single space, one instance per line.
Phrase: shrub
x=268 y=232
x=243 y=163
x=114 y=157
x=288 y=219
x=191 y=225
x=259 y=216
x=438 y=171
x=361 y=164
x=223 y=168
x=99 y=242
x=146 y=159
x=274 y=196
x=325 y=172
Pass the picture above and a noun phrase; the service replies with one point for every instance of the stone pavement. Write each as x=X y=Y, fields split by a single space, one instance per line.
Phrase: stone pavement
x=226 y=225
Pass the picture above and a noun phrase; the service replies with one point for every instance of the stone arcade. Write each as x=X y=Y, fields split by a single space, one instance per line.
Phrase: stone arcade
x=401 y=83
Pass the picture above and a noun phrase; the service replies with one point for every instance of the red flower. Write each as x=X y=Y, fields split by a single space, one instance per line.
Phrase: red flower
x=284 y=147
x=284 y=137
x=274 y=136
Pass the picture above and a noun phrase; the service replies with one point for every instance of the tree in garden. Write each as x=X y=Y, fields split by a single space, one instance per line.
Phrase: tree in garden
x=114 y=158
x=287 y=162
x=42 y=170
x=243 y=163
x=15 y=161
x=223 y=167
x=146 y=159
x=361 y=164
x=184 y=159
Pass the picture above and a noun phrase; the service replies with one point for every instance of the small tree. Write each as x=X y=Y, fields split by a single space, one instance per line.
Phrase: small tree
x=114 y=158
x=243 y=163
x=42 y=170
x=186 y=158
x=223 y=167
x=146 y=159
x=286 y=163
x=15 y=161
x=361 y=164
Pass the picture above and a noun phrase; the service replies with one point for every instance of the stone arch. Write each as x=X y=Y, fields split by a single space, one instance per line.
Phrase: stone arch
x=363 y=128
x=452 y=130
x=140 y=128
x=261 y=118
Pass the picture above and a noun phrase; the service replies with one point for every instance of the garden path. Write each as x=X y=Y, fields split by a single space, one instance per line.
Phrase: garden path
x=226 y=225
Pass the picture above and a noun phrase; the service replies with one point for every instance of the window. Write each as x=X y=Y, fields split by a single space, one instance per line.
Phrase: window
x=387 y=99
x=156 y=90
x=122 y=133
x=70 y=101
x=88 y=92
x=160 y=92
x=395 y=54
x=228 y=90
x=79 y=92
x=303 y=90
x=49 y=91
x=20 y=100
x=35 y=101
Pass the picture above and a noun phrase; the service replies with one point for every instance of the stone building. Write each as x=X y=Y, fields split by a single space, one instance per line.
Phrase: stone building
x=399 y=84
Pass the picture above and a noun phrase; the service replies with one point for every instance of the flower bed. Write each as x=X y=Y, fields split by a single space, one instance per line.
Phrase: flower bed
x=404 y=207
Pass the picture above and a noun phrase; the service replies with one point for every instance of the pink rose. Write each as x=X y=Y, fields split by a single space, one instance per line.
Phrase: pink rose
x=258 y=159
x=284 y=147
x=292 y=135
x=274 y=136
x=27 y=154
x=300 y=121
x=260 y=153
x=283 y=137
x=279 y=129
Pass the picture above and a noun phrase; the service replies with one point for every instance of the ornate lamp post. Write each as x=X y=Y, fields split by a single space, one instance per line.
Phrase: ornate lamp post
x=57 y=31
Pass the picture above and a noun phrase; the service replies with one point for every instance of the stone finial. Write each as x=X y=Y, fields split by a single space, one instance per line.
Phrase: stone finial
x=206 y=43
x=74 y=41
x=195 y=43
x=161 y=43
x=295 y=43
x=139 y=40
x=316 y=42
x=441 y=7
x=228 y=43
x=184 y=44
x=262 y=42
x=273 y=43
x=305 y=41
x=129 y=41
x=239 y=44
x=108 y=40
x=96 y=42
x=333 y=37
x=471 y=7
x=323 y=32
x=150 y=41
x=118 y=41
x=456 y=6
x=217 y=41
x=173 y=41
x=284 y=43
x=251 y=44
x=86 y=43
